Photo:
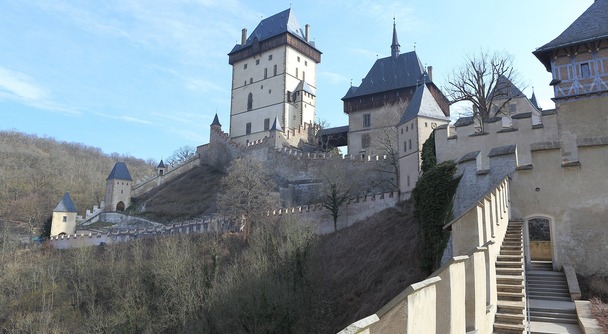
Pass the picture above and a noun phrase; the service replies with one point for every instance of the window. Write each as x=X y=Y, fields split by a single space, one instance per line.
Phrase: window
x=367 y=120
x=257 y=62
x=245 y=66
x=365 y=140
x=585 y=71
x=296 y=72
x=275 y=69
x=245 y=83
x=408 y=180
x=303 y=75
x=265 y=73
x=266 y=124
x=410 y=145
x=404 y=146
x=305 y=63
x=269 y=57
x=65 y=219
x=250 y=80
x=298 y=59
x=401 y=130
x=288 y=96
x=248 y=128
x=249 y=101
x=426 y=125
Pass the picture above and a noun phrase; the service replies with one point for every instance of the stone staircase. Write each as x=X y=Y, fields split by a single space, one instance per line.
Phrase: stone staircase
x=510 y=313
x=551 y=308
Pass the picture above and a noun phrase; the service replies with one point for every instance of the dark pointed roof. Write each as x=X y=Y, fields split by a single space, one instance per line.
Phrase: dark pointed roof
x=161 y=164
x=395 y=47
x=390 y=73
x=506 y=89
x=216 y=121
x=276 y=125
x=591 y=25
x=120 y=172
x=283 y=22
x=422 y=104
x=533 y=101
x=66 y=204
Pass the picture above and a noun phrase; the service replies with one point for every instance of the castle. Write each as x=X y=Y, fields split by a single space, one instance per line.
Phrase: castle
x=531 y=169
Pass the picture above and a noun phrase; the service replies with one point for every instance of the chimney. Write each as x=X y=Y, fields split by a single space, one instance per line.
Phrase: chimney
x=429 y=70
x=244 y=36
x=307 y=28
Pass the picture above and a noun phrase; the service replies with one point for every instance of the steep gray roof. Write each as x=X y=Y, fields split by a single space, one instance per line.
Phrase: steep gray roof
x=390 y=73
x=534 y=102
x=305 y=87
x=276 y=125
x=506 y=89
x=591 y=25
x=275 y=25
x=422 y=104
x=161 y=164
x=216 y=121
x=66 y=204
x=120 y=172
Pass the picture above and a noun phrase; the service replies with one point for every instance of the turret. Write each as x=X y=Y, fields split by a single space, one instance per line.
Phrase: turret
x=118 y=188
x=395 y=47
x=64 y=217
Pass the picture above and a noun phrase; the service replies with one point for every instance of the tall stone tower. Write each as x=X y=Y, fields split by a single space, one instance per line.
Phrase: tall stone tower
x=118 y=188
x=273 y=76
x=64 y=217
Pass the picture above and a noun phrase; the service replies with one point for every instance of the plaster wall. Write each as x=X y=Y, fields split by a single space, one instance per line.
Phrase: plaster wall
x=117 y=191
x=59 y=226
x=576 y=200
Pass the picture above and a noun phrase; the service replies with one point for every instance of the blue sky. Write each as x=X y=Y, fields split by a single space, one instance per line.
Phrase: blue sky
x=145 y=77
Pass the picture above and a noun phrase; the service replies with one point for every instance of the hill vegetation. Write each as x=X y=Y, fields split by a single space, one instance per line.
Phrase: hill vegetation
x=283 y=279
x=36 y=171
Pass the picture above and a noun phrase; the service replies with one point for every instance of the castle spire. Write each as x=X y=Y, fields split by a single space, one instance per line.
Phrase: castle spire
x=395 y=47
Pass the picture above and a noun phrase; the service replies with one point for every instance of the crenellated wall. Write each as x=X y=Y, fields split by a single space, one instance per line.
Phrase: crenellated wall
x=459 y=297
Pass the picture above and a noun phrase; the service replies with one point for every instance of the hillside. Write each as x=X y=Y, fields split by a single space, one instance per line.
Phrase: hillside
x=284 y=280
x=190 y=195
x=35 y=173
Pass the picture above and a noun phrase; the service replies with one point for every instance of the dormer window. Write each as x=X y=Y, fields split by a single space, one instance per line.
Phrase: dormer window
x=585 y=71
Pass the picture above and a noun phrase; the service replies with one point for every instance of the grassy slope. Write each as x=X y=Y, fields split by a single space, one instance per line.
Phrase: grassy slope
x=190 y=195
x=363 y=267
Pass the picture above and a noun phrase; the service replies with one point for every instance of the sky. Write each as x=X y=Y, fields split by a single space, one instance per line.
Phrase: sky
x=145 y=77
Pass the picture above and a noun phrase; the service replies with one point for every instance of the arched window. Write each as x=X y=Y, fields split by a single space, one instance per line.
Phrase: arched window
x=249 y=101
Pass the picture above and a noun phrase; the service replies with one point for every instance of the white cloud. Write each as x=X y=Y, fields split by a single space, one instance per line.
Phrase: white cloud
x=132 y=119
x=333 y=78
x=22 y=88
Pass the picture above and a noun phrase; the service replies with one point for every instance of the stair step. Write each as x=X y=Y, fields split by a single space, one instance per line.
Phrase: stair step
x=517 y=279
x=510 y=287
x=510 y=264
x=509 y=318
x=554 y=313
x=514 y=328
x=510 y=270
x=556 y=298
x=554 y=319
x=549 y=288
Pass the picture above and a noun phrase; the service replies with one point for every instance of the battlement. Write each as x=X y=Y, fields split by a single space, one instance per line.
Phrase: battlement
x=319 y=156
x=520 y=134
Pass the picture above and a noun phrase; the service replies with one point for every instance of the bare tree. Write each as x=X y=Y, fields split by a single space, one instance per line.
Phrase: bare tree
x=485 y=80
x=384 y=137
x=246 y=193
x=181 y=154
x=333 y=199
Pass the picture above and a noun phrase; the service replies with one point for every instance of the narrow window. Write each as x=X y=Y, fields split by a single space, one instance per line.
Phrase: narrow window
x=288 y=96
x=245 y=66
x=65 y=219
x=367 y=120
x=365 y=140
x=408 y=180
x=296 y=72
x=257 y=62
x=305 y=63
x=585 y=72
x=426 y=125
x=265 y=73
x=275 y=69
x=266 y=124
x=248 y=128
x=303 y=75
x=249 y=101
x=298 y=59
x=404 y=146
x=401 y=130
x=269 y=57
x=245 y=83
x=250 y=80
x=410 y=141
